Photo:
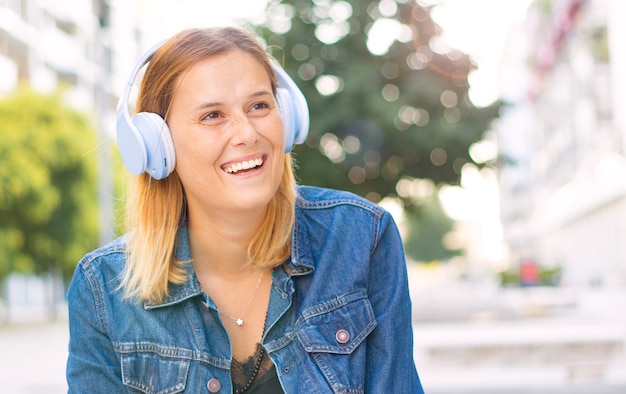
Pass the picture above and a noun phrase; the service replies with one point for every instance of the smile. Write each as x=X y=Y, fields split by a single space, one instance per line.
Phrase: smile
x=244 y=166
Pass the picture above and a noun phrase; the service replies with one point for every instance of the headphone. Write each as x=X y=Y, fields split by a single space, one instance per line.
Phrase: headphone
x=145 y=142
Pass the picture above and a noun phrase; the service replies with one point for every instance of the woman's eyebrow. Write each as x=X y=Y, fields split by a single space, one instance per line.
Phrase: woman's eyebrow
x=211 y=104
x=261 y=93
x=207 y=105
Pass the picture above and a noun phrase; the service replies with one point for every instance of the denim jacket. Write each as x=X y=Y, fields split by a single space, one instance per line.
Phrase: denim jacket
x=339 y=316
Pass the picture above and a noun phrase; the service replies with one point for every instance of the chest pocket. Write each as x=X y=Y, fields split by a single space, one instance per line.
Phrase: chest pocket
x=154 y=372
x=332 y=334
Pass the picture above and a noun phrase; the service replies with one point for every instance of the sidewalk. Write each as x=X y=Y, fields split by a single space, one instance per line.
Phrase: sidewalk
x=32 y=358
x=524 y=357
x=485 y=340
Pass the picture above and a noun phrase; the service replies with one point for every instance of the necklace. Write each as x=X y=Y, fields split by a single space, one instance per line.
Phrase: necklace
x=239 y=320
x=257 y=364
x=255 y=372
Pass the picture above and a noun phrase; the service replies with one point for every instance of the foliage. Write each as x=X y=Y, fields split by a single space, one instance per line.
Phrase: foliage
x=547 y=276
x=377 y=116
x=48 y=211
x=120 y=186
x=427 y=225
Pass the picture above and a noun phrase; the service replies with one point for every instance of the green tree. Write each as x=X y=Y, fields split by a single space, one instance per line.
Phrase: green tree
x=382 y=113
x=427 y=224
x=379 y=113
x=48 y=201
x=121 y=179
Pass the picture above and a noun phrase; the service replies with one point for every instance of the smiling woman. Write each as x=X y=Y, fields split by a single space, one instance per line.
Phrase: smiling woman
x=231 y=277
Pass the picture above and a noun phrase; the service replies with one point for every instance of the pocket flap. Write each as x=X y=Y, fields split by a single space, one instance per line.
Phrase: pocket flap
x=152 y=373
x=337 y=326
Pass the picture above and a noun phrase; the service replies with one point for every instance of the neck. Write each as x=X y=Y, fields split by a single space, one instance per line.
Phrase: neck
x=220 y=244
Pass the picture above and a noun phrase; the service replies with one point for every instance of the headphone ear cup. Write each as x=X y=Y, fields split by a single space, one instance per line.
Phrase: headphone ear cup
x=131 y=144
x=293 y=109
x=159 y=147
x=287 y=110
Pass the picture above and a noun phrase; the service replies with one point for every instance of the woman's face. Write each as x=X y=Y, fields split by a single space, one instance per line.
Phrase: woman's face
x=228 y=134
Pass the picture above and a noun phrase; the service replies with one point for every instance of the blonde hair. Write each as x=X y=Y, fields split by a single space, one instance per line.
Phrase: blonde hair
x=155 y=208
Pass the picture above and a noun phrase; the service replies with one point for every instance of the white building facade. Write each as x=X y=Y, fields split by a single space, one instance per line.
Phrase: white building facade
x=87 y=49
x=563 y=141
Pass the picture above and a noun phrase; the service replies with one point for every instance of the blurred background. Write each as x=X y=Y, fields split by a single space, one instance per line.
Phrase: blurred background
x=494 y=131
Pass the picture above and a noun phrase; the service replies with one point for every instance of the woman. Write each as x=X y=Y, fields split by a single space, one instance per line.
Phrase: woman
x=232 y=278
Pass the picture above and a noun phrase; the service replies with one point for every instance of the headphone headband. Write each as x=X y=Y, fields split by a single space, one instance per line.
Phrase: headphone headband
x=143 y=60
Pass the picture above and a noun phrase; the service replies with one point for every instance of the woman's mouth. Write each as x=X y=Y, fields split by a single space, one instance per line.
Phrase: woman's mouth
x=244 y=166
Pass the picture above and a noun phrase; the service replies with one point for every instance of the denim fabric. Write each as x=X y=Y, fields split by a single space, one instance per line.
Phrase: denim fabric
x=339 y=316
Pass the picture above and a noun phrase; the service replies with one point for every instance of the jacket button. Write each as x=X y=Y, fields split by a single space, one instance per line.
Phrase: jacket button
x=214 y=385
x=342 y=336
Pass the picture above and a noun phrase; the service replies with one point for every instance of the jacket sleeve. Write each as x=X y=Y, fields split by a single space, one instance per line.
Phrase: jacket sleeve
x=390 y=363
x=92 y=366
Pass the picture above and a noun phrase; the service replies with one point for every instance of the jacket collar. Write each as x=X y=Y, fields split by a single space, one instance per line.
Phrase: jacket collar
x=190 y=288
x=301 y=261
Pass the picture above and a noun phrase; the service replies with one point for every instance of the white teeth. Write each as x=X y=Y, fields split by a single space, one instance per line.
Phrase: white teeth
x=244 y=165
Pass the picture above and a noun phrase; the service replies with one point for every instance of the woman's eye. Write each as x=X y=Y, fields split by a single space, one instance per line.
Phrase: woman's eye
x=261 y=105
x=212 y=115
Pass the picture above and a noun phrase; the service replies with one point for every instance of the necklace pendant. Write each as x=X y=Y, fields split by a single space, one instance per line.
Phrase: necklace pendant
x=239 y=322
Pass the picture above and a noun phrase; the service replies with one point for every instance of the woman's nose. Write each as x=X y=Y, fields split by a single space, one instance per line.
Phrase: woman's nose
x=244 y=131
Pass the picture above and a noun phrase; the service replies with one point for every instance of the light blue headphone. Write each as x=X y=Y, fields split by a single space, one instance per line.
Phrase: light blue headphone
x=145 y=142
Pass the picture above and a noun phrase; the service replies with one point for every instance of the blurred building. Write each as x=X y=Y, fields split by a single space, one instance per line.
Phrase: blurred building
x=86 y=49
x=562 y=141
